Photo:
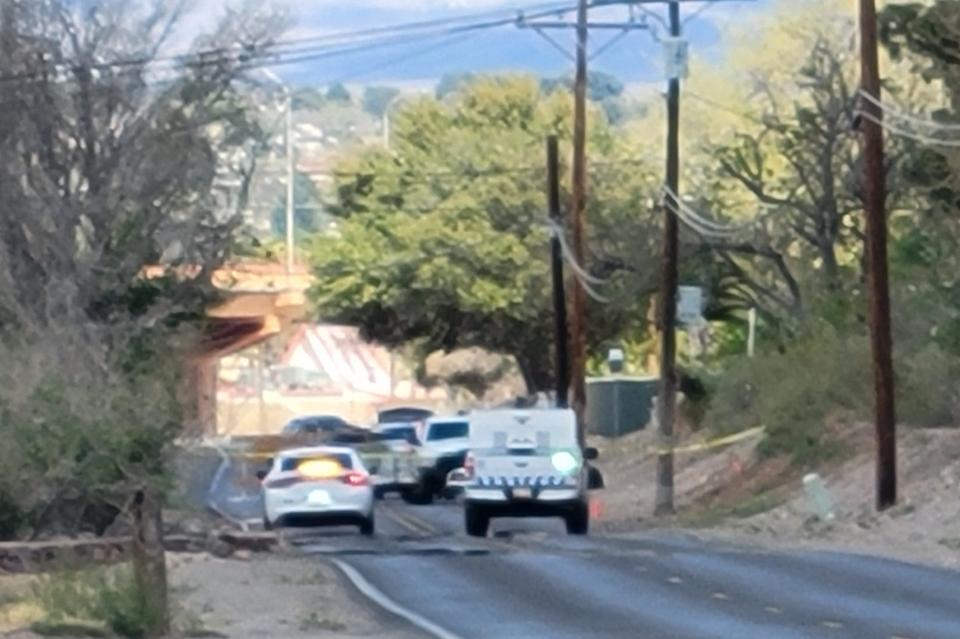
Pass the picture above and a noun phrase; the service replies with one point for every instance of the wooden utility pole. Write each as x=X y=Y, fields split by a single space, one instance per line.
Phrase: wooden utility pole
x=556 y=261
x=667 y=393
x=874 y=196
x=578 y=319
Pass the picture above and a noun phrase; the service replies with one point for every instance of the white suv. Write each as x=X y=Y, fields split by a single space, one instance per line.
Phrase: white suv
x=443 y=446
x=526 y=463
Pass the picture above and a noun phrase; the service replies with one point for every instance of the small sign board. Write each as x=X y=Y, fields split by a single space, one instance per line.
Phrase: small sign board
x=689 y=304
x=676 y=52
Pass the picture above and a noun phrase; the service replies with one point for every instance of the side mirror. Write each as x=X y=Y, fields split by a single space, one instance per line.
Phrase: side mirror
x=261 y=475
x=458 y=478
x=594 y=479
x=590 y=453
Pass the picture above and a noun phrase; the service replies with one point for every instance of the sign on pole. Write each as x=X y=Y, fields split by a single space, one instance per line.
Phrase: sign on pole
x=675 y=55
x=689 y=304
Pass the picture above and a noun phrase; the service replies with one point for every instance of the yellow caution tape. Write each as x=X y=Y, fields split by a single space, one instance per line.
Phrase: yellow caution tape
x=714 y=443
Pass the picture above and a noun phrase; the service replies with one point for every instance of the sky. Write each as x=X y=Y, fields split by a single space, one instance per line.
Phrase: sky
x=635 y=58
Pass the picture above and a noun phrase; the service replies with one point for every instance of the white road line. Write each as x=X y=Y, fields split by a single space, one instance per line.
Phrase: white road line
x=373 y=594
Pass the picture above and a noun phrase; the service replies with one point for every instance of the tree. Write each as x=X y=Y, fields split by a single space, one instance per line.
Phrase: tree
x=443 y=242
x=103 y=173
x=308 y=217
x=376 y=100
x=338 y=93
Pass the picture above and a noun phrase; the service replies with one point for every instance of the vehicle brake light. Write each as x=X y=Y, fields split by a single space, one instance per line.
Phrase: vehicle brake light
x=356 y=478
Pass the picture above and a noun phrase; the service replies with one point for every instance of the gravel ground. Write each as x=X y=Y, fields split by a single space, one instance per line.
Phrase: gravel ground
x=253 y=597
x=924 y=527
x=273 y=596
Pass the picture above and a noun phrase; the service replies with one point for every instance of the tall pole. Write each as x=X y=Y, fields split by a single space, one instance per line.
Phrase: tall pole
x=288 y=137
x=556 y=261
x=874 y=194
x=578 y=320
x=667 y=393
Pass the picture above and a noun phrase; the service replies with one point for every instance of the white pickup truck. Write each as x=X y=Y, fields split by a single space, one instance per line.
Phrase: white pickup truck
x=526 y=463
x=443 y=447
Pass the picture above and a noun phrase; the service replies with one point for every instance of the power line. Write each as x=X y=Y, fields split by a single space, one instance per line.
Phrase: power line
x=242 y=52
x=907 y=117
x=917 y=137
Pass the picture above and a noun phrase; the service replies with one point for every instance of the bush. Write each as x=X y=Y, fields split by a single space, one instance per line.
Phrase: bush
x=106 y=596
x=927 y=391
x=793 y=393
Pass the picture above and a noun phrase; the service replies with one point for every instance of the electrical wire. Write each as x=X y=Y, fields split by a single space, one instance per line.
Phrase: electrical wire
x=907 y=117
x=917 y=137
x=302 y=49
x=702 y=220
x=693 y=16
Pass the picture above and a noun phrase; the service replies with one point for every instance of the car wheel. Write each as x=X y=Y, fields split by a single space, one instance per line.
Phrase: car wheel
x=578 y=521
x=379 y=493
x=420 y=495
x=476 y=520
x=368 y=526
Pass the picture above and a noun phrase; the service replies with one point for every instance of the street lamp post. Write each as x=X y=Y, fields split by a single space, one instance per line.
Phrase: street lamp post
x=289 y=150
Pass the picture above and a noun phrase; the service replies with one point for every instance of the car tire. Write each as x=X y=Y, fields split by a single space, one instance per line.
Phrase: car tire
x=379 y=493
x=420 y=495
x=578 y=521
x=368 y=526
x=476 y=520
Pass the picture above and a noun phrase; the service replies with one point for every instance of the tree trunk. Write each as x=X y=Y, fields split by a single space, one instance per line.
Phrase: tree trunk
x=149 y=561
x=537 y=371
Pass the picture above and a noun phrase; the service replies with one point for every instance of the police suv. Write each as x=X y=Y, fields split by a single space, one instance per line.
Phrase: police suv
x=526 y=463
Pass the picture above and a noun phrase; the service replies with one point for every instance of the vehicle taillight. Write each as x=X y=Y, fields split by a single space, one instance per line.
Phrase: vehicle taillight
x=356 y=478
x=468 y=464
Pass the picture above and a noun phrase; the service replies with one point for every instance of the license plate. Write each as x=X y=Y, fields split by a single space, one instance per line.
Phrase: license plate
x=319 y=498
x=522 y=493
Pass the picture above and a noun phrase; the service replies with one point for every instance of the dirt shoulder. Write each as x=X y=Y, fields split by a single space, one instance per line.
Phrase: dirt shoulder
x=732 y=495
x=250 y=597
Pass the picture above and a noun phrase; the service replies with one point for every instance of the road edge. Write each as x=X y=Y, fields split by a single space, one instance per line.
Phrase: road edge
x=372 y=593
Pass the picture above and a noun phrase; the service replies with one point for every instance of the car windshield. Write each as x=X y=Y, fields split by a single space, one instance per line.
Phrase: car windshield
x=344 y=460
x=447 y=430
x=313 y=424
x=400 y=433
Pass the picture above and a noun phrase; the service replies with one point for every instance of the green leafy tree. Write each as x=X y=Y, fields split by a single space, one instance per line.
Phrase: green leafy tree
x=103 y=173
x=443 y=241
x=307 y=217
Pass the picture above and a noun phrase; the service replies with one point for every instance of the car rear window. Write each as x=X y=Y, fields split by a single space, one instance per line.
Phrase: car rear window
x=291 y=463
x=405 y=433
x=448 y=430
x=314 y=424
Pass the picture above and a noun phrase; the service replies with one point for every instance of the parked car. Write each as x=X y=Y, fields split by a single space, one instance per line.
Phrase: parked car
x=318 y=486
x=403 y=414
x=315 y=425
x=397 y=465
x=444 y=445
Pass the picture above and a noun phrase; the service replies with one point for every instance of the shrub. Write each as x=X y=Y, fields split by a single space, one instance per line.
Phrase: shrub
x=793 y=393
x=107 y=596
x=927 y=392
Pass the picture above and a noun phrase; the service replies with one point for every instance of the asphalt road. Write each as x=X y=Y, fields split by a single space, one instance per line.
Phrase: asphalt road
x=531 y=580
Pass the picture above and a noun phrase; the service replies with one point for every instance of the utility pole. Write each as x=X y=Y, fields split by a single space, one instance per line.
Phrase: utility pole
x=288 y=138
x=578 y=324
x=556 y=261
x=667 y=393
x=874 y=195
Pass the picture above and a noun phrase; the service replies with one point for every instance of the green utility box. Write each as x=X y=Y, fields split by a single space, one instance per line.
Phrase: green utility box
x=619 y=405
